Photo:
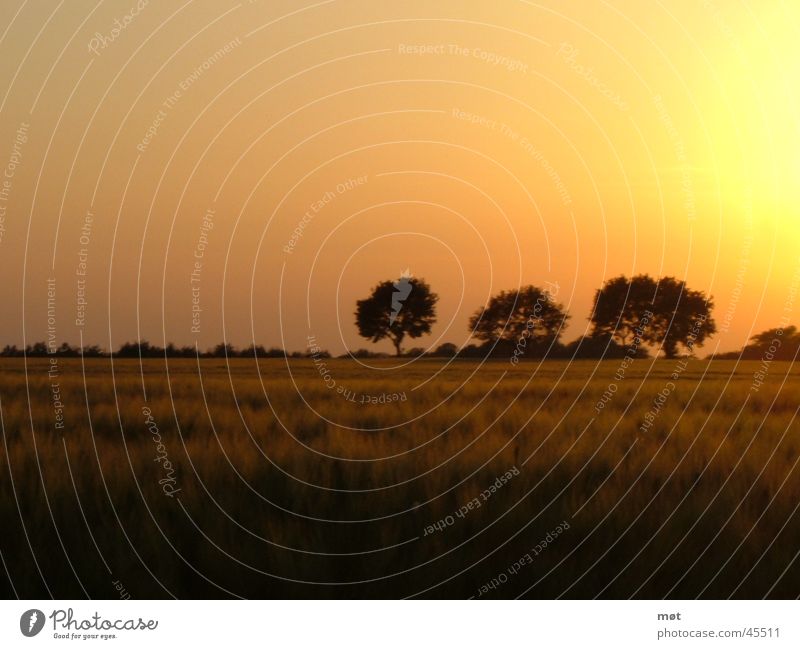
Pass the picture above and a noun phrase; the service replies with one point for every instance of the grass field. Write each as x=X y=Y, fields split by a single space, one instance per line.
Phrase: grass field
x=434 y=479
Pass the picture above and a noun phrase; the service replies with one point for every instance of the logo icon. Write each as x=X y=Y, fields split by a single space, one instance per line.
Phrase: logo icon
x=402 y=289
x=31 y=622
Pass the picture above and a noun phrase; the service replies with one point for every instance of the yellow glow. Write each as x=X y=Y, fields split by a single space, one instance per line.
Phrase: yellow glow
x=522 y=143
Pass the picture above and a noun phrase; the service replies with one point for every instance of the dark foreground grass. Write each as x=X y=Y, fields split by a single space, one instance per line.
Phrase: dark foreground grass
x=238 y=480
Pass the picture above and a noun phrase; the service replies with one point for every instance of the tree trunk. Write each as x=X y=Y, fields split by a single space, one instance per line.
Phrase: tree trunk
x=670 y=348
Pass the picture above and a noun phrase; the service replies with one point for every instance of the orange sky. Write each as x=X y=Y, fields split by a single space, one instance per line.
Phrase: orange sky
x=480 y=145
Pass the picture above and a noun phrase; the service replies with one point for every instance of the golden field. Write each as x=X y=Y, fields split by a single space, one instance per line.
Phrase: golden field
x=210 y=478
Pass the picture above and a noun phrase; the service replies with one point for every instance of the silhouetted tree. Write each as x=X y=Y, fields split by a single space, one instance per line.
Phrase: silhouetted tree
x=765 y=339
x=620 y=308
x=447 y=350
x=65 y=349
x=683 y=317
x=223 y=350
x=141 y=348
x=253 y=351
x=597 y=346
x=471 y=351
x=527 y=317
x=780 y=344
x=394 y=310
x=37 y=349
x=642 y=310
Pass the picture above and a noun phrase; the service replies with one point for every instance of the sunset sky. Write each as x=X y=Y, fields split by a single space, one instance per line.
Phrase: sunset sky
x=480 y=145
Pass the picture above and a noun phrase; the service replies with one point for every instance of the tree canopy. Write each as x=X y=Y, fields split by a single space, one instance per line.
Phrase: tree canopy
x=527 y=316
x=397 y=309
x=664 y=312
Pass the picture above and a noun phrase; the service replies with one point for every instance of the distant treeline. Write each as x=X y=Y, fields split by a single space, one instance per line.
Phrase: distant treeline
x=145 y=349
x=586 y=347
x=773 y=344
